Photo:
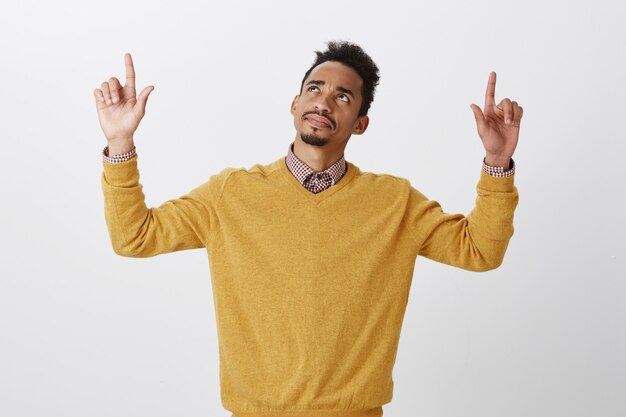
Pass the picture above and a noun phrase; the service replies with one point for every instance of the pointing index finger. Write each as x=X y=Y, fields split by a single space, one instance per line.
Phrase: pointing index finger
x=490 y=95
x=130 y=71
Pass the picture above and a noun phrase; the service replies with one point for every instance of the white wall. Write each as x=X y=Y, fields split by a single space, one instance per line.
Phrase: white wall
x=86 y=332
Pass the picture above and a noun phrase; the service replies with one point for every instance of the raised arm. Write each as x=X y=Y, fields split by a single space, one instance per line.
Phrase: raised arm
x=479 y=241
x=136 y=230
x=476 y=242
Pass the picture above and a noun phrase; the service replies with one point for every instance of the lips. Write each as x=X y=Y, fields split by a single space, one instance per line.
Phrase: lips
x=318 y=121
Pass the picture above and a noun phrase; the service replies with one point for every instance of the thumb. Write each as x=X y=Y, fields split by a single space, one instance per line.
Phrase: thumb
x=143 y=98
x=478 y=115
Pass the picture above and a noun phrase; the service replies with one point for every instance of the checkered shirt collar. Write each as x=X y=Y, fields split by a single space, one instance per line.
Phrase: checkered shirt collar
x=303 y=172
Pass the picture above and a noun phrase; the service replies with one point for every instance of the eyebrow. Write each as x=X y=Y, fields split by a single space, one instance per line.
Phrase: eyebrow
x=339 y=88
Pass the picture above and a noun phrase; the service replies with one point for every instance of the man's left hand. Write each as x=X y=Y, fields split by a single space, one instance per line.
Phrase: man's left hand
x=498 y=127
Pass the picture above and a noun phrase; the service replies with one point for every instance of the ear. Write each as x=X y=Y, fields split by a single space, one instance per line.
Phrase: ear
x=293 y=104
x=360 y=125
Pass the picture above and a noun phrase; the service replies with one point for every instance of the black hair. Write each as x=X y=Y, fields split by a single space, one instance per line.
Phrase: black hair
x=355 y=57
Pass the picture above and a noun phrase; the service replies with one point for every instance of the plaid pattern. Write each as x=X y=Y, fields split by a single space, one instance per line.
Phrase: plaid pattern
x=116 y=159
x=499 y=171
x=311 y=180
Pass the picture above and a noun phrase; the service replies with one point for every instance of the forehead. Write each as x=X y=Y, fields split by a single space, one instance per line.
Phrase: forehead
x=337 y=74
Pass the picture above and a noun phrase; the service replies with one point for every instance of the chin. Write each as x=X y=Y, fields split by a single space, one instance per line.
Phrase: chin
x=313 y=139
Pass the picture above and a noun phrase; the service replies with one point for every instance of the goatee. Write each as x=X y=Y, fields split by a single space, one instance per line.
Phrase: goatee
x=313 y=139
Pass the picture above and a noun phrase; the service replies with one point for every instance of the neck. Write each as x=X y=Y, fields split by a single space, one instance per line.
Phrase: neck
x=318 y=158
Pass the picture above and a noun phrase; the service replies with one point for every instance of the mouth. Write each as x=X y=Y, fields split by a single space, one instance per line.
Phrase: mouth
x=318 y=122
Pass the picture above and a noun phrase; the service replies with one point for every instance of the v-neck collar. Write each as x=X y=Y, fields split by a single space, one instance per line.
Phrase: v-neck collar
x=351 y=171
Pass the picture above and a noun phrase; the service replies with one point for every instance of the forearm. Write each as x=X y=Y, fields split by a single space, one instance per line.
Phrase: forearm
x=490 y=223
x=124 y=205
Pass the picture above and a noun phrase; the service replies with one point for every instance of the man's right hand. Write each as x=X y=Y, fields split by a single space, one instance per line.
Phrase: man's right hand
x=119 y=109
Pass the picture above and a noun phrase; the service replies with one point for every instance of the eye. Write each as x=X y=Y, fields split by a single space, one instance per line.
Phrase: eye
x=313 y=86
x=343 y=97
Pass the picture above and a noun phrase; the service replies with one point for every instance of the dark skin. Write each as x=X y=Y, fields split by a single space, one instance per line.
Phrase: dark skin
x=498 y=126
x=326 y=114
x=320 y=143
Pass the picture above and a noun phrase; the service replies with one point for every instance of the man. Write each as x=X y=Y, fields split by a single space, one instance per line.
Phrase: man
x=311 y=258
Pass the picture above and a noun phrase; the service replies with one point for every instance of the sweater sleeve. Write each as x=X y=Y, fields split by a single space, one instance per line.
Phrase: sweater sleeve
x=140 y=232
x=477 y=242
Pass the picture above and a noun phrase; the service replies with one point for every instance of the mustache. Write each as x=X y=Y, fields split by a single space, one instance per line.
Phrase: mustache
x=330 y=120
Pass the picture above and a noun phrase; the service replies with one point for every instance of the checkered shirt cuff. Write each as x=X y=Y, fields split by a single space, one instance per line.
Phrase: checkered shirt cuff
x=116 y=159
x=499 y=171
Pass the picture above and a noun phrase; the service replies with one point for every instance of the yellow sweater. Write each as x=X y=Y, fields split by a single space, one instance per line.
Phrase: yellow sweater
x=309 y=289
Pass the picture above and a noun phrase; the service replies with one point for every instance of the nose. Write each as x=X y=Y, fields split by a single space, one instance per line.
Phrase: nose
x=322 y=104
